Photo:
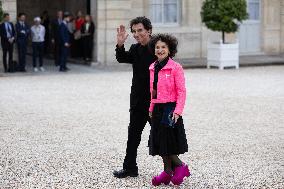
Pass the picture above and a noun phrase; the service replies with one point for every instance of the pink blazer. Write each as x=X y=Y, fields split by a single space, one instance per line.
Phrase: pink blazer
x=170 y=86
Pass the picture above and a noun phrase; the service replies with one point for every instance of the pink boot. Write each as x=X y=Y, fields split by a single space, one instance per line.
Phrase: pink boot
x=179 y=174
x=162 y=178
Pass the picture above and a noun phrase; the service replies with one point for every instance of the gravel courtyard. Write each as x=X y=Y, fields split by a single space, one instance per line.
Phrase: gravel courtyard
x=69 y=130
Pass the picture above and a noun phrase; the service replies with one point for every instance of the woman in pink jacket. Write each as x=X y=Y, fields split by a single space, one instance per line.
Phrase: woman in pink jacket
x=167 y=136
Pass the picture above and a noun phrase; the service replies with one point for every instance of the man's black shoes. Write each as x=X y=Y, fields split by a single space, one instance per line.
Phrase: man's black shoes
x=125 y=173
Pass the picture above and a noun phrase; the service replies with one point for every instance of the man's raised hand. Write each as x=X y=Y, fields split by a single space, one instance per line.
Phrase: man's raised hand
x=121 y=35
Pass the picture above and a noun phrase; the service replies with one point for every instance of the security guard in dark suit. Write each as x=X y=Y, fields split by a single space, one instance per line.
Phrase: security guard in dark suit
x=22 y=33
x=7 y=33
x=55 y=36
x=64 y=42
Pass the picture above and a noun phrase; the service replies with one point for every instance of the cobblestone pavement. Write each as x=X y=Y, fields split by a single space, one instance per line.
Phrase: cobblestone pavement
x=69 y=130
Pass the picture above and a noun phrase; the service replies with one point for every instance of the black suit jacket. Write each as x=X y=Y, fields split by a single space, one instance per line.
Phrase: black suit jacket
x=3 y=33
x=22 y=33
x=64 y=34
x=55 y=33
x=91 y=30
x=141 y=58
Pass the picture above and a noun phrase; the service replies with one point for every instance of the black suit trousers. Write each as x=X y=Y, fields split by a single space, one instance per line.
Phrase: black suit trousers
x=57 y=52
x=7 y=49
x=22 y=51
x=138 y=120
x=87 y=47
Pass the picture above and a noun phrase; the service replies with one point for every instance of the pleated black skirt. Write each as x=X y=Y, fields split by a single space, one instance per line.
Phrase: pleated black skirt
x=165 y=140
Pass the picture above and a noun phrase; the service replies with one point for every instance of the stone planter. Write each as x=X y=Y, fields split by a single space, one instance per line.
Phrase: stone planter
x=223 y=55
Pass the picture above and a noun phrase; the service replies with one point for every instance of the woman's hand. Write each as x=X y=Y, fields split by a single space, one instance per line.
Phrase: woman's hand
x=150 y=114
x=121 y=35
x=175 y=117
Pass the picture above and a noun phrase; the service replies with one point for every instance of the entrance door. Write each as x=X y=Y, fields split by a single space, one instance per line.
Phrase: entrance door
x=250 y=30
x=35 y=8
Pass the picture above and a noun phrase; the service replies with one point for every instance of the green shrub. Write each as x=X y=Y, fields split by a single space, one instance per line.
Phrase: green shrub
x=1 y=12
x=224 y=15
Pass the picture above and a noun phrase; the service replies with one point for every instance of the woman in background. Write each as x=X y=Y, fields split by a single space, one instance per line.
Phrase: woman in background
x=45 y=21
x=87 y=32
x=78 y=44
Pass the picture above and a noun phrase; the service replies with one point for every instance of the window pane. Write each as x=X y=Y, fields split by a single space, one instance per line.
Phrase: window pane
x=156 y=10
x=254 y=9
x=170 y=1
x=164 y=11
x=156 y=1
x=156 y=13
x=170 y=11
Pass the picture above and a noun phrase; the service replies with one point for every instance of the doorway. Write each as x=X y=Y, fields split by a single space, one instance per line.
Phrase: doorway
x=34 y=8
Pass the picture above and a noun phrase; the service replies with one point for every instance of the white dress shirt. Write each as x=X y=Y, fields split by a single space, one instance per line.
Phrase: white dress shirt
x=87 y=27
x=8 y=30
x=38 y=33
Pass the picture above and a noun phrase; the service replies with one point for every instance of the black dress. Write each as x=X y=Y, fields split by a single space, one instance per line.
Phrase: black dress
x=165 y=140
x=88 y=40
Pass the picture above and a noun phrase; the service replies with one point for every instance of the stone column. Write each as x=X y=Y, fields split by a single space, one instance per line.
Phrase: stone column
x=101 y=30
x=94 y=14
x=271 y=30
x=10 y=6
x=282 y=27
x=111 y=14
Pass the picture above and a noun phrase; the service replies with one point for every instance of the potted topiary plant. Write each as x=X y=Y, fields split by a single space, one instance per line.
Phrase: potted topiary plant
x=223 y=16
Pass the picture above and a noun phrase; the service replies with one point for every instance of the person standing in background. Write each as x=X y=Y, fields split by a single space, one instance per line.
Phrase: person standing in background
x=38 y=34
x=45 y=22
x=78 y=45
x=87 y=32
x=64 y=42
x=8 y=34
x=71 y=27
x=55 y=37
x=22 y=33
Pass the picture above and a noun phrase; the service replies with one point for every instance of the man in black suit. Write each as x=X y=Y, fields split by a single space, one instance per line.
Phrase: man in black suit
x=87 y=32
x=23 y=32
x=7 y=33
x=64 y=42
x=141 y=58
x=55 y=36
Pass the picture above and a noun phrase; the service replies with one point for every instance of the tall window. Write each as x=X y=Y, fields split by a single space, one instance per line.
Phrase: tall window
x=164 y=11
x=254 y=9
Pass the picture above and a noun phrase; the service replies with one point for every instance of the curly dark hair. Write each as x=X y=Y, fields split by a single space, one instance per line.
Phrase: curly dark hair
x=170 y=40
x=143 y=20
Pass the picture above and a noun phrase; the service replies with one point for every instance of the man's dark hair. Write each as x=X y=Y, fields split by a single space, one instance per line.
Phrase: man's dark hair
x=66 y=14
x=5 y=15
x=143 y=20
x=170 y=40
x=21 y=14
